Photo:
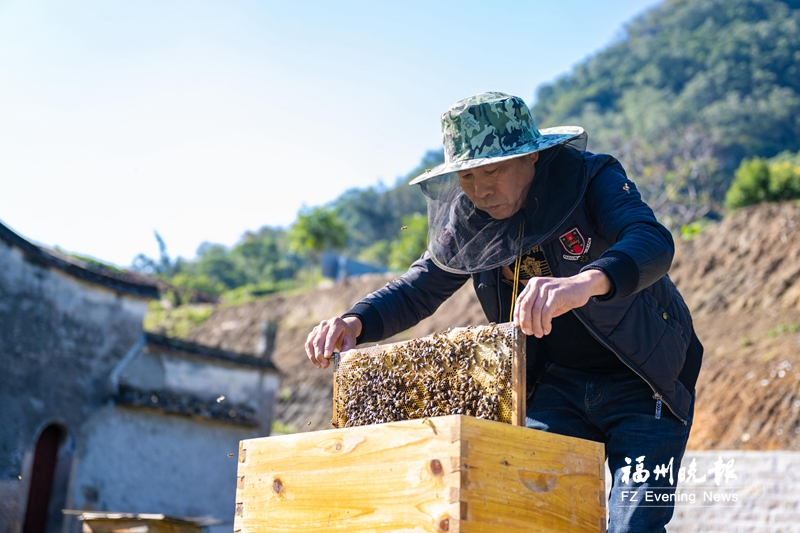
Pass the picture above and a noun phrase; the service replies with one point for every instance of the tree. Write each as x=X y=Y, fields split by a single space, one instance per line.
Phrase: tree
x=216 y=263
x=374 y=214
x=197 y=282
x=376 y=254
x=316 y=230
x=146 y=265
x=262 y=255
x=411 y=244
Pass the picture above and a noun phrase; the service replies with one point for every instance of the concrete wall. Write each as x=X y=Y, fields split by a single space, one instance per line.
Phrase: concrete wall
x=763 y=498
x=140 y=461
x=767 y=489
x=60 y=338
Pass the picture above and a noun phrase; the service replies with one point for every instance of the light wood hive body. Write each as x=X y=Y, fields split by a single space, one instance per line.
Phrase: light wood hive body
x=451 y=473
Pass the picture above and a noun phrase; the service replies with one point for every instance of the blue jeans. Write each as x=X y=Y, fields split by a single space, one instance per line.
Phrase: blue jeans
x=618 y=410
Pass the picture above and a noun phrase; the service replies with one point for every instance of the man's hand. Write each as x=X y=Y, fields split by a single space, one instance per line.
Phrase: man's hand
x=332 y=335
x=546 y=298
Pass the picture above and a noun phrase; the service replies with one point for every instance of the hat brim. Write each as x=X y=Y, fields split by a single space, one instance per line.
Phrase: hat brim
x=550 y=137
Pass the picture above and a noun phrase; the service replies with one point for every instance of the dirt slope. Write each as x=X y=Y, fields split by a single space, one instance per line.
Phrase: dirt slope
x=750 y=261
x=306 y=390
x=741 y=278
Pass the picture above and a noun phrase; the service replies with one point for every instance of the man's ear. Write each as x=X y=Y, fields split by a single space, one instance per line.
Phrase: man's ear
x=534 y=157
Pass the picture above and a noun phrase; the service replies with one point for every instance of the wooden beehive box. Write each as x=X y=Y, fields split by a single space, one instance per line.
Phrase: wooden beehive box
x=105 y=522
x=451 y=473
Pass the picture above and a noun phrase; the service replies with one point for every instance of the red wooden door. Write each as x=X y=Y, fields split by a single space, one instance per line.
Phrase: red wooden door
x=41 y=487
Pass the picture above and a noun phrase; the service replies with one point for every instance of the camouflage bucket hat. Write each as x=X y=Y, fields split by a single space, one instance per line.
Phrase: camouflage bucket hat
x=489 y=128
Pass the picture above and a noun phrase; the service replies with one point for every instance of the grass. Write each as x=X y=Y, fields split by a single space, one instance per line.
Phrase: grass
x=279 y=428
x=782 y=329
x=693 y=229
x=176 y=322
x=286 y=394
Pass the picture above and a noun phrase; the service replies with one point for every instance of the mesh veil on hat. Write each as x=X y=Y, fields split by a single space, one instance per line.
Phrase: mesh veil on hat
x=490 y=128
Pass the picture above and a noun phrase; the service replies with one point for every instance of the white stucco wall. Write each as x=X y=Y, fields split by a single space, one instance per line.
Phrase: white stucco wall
x=141 y=461
x=238 y=385
x=65 y=292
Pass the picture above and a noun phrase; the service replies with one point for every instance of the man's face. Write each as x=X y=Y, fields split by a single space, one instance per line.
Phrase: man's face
x=499 y=189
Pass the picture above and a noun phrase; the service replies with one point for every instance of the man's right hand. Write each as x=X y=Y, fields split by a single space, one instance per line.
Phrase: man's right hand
x=335 y=334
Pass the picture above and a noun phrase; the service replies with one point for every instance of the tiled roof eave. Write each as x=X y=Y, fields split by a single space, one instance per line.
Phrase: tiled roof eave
x=37 y=255
x=206 y=352
x=186 y=404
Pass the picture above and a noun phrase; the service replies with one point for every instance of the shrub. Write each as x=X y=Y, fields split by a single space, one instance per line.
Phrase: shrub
x=784 y=181
x=410 y=244
x=765 y=180
x=750 y=184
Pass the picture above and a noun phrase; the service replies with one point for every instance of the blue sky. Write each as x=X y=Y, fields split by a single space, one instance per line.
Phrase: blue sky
x=205 y=119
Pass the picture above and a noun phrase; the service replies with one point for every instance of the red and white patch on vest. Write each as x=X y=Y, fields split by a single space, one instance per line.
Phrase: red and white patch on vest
x=573 y=241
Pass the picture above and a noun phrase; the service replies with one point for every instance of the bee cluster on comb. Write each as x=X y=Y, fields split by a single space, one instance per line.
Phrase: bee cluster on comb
x=475 y=371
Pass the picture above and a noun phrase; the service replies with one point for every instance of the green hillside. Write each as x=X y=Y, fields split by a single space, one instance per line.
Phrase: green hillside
x=693 y=88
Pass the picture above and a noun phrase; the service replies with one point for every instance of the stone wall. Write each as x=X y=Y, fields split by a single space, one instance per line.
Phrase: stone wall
x=60 y=338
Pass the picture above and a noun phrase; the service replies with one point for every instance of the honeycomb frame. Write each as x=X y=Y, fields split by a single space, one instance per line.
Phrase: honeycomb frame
x=475 y=371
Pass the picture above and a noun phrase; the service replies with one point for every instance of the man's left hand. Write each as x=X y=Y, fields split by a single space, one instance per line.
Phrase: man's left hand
x=546 y=298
